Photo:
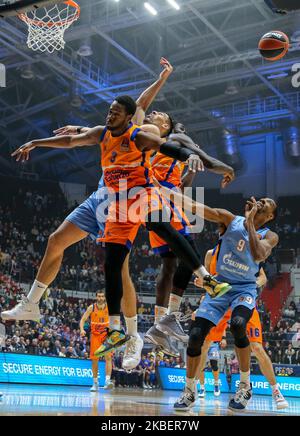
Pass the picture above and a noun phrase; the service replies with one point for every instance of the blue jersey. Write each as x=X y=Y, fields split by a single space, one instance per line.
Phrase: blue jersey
x=101 y=183
x=235 y=263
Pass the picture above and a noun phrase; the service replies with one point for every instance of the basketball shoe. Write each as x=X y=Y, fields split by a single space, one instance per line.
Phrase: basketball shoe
x=133 y=353
x=162 y=341
x=215 y=288
x=23 y=311
x=114 y=339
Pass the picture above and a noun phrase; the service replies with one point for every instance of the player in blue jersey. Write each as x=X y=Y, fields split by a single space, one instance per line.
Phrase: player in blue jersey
x=246 y=242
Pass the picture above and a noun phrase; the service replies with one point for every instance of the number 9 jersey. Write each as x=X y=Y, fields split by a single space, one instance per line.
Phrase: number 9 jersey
x=235 y=263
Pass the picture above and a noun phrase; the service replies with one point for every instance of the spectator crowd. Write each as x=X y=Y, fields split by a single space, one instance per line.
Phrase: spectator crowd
x=29 y=215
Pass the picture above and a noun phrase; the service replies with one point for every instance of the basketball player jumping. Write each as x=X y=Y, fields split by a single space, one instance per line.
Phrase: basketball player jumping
x=132 y=164
x=83 y=222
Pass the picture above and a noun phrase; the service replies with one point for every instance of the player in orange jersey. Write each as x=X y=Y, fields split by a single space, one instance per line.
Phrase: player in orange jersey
x=125 y=158
x=82 y=222
x=99 y=322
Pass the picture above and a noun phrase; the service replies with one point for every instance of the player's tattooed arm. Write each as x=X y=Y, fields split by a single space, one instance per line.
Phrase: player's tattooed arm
x=149 y=95
x=212 y=164
x=84 y=318
x=90 y=137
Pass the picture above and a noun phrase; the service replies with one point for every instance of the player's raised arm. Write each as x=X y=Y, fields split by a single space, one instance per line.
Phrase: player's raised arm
x=260 y=248
x=146 y=141
x=90 y=137
x=262 y=279
x=84 y=319
x=212 y=164
x=149 y=95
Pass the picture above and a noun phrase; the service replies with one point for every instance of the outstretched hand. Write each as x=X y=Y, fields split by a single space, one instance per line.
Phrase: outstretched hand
x=168 y=68
x=23 y=152
x=227 y=179
x=251 y=209
x=66 y=130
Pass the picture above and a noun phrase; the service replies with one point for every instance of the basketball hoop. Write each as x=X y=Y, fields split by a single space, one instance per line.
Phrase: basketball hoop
x=47 y=26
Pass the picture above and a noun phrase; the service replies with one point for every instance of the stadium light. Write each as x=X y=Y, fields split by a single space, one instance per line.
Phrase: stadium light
x=174 y=4
x=150 y=8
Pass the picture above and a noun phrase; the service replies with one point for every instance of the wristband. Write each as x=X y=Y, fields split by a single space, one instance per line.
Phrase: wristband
x=79 y=130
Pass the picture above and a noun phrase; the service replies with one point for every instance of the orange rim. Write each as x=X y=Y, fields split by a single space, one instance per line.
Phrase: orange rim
x=39 y=23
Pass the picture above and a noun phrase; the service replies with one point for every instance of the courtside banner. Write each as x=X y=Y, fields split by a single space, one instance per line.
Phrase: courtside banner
x=289 y=386
x=23 y=368
x=174 y=379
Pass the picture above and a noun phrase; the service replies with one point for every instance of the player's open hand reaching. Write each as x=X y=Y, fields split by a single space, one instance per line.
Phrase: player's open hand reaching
x=227 y=179
x=252 y=208
x=23 y=152
x=168 y=69
x=66 y=130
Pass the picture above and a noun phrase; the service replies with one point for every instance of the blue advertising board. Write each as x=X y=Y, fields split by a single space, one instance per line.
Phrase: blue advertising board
x=23 y=368
x=174 y=379
x=289 y=386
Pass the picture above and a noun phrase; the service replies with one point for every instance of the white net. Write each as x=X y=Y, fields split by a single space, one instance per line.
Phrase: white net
x=47 y=26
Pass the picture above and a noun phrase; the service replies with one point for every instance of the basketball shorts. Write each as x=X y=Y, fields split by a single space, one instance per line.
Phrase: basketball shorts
x=96 y=342
x=214 y=309
x=125 y=216
x=254 y=328
x=217 y=333
x=179 y=222
x=89 y=216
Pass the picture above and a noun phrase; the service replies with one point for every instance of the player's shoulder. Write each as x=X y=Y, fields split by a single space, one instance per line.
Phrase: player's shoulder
x=270 y=235
x=150 y=128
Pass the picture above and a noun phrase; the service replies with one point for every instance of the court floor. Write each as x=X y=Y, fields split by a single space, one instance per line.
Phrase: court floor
x=64 y=400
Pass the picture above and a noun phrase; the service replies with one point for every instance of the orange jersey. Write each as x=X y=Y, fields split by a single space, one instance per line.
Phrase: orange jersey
x=166 y=169
x=122 y=160
x=217 y=333
x=99 y=320
x=214 y=261
x=254 y=328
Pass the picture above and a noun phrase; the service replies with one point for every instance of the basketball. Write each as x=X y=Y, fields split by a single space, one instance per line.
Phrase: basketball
x=274 y=45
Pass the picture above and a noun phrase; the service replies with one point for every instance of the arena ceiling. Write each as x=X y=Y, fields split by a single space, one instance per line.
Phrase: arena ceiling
x=220 y=80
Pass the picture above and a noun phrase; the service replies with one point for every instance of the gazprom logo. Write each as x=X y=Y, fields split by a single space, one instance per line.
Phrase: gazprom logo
x=2 y=76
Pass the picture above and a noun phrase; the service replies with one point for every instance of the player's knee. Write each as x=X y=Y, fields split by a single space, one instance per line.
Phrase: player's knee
x=196 y=340
x=56 y=241
x=257 y=349
x=238 y=327
x=214 y=365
